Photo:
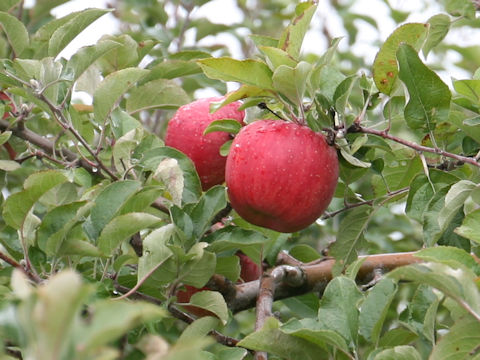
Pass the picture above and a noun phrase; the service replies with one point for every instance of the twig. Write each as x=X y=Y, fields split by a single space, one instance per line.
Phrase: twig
x=415 y=146
x=32 y=276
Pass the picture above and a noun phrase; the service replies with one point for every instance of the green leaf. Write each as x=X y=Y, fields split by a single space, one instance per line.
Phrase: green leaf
x=454 y=201
x=108 y=203
x=16 y=32
x=200 y=268
x=292 y=82
x=64 y=34
x=276 y=57
x=402 y=352
x=397 y=336
x=460 y=8
x=349 y=236
x=199 y=328
x=310 y=330
x=211 y=202
x=86 y=56
x=124 y=56
x=438 y=29
x=123 y=227
x=385 y=67
x=212 y=301
x=249 y=72
x=170 y=174
x=274 y=341
x=57 y=223
x=292 y=37
x=106 y=325
x=461 y=341
x=451 y=256
x=18 y=205
x=111 y=89
x=471 y=90
x=227 y=125
x=157 y=94
x=5 y=136
x=60 y=300
x=8 y=4
x=458 y=284
x=429 y=101
x=470 y=227
x=192 y=188
x=374 y=309
x=9 y=165
x=155 y=252
x=228 y=266
x=263 y=40
x=338 y=308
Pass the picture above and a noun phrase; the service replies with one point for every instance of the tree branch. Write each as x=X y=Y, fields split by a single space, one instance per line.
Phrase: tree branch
x=434 y=150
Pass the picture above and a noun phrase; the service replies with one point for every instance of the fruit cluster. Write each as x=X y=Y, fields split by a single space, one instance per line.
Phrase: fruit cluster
x=279 y=175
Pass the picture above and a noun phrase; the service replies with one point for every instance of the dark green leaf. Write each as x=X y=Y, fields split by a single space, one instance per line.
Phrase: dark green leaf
x=429 y=101
x=374 y=309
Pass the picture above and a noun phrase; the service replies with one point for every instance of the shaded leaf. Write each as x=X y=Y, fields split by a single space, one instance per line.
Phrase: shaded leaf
x=211 y=301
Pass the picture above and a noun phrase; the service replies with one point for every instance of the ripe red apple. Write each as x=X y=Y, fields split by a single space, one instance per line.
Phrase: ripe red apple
x=5 y=99
x=280 y=175
x=249 y=270
x=185 y=133
x=184 y=295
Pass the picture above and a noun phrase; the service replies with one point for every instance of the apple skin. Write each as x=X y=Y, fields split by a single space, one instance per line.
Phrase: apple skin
x=280 y=175
x=185 y=133
x=4 y=98
x=249 y=270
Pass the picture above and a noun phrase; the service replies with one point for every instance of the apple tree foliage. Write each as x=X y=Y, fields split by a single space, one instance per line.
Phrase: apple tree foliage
x=95 y=206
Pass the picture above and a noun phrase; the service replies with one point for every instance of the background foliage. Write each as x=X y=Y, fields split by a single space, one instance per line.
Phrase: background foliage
x=93 y=203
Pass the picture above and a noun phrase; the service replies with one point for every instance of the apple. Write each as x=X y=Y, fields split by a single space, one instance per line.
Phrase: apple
x=185 y=133
x=5 y=99
x=184 y=295
x=249 y=270
x=280 y=175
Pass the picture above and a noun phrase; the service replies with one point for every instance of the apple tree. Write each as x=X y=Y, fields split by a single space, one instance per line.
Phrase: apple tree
x=348 y=221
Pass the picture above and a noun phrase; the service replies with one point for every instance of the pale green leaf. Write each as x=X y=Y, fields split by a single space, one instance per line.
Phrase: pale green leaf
x=228 y=125
x=385 y=66
x=470 y=227
x=439 y=25
x=292 y=82
x=338 y=308
x=157 y=94
x=292 y=37
x=18 y=205
x=68 y=31
x=451 y=256
x=112 y=88
x=402 y=352
x=461 y=341
x=123 y=227
x=249 y=72
x=16 y=32
x=211 y=301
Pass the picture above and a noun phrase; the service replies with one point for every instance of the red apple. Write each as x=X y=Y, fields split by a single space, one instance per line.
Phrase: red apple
x=280 y=175
x=249 y=270
x=185 y=133
x=184 y=295
x=5 y=99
